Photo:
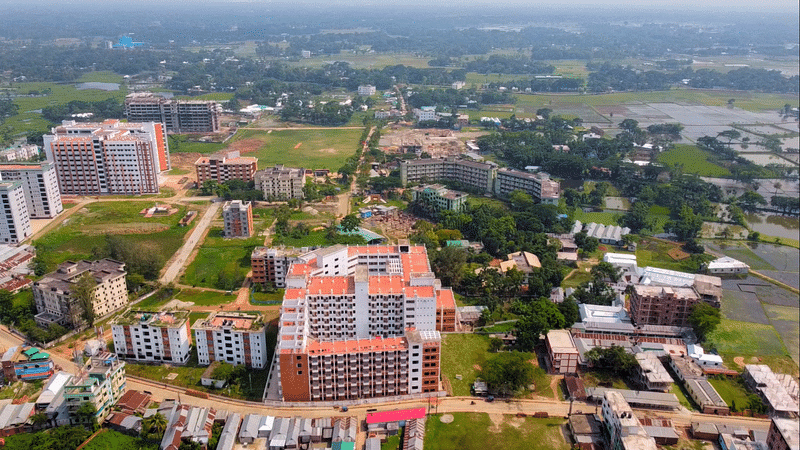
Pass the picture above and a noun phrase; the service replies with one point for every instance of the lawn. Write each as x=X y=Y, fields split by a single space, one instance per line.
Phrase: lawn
x=694 y=160
x=653 y=252
x=315 y=149
x=475 y=201
x=477 y=431
x=603 y=378
x=78 y=236
x=189 y=377
x=204 y=298
x=220 y=256
x=313 y=238
x=180 y=143
x=393 y=442
x=735 y=338
x=684 y=399
x=577 y=277
x=733 y=392
x=605 y=218
x=461 y=353
x=59 y=94
x=111 y=439
x=276 y=296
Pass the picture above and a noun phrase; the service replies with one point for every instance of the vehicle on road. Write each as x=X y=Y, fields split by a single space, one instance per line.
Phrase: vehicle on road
x=490 y=398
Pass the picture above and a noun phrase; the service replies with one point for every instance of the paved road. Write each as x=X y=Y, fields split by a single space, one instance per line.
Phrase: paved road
x=180 y=258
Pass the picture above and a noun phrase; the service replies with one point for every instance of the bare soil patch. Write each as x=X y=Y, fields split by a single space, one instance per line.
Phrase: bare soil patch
x=497 y=420
x=739 y=361
x=477 y=367
x=447 y=418
x=246 y=146
x=328 y=150
x=677 y=254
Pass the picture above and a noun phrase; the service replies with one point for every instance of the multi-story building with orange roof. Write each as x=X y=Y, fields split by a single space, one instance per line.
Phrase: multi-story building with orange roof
x=361 y=322
x=109 y=157
x=224 y=167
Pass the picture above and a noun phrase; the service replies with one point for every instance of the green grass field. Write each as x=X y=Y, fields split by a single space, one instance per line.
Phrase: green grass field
x=313 y=238
x=734 y=338
x=215 y=96
x=28 y=120
x=79 y=235
x=734 y=393
x=605 y=218
x=205 y=298
x=460 y=353
x=693 y=160
x=652 y=252
x=218 y=255
x=477 y=431
x=179 y=143
x=100 y=76
x=318 y=149
x=111 y=439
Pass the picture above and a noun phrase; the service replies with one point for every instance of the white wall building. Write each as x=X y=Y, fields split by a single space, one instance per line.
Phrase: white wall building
x=624 y=429
x=53 y=293
x=425 y=113
x=40 y=185
x=152 y=336
x=234 y=338
x=281 y=182
x=727 y=265
x=16 y=223
x=367 y=90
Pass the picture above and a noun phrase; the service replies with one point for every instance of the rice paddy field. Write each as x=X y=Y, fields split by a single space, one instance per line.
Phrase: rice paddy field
x=694 y=160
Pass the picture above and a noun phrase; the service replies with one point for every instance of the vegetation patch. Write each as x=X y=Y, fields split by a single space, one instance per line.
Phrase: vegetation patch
x=221 y=263
x=461 y=353
x=477 y=431
x=748 y=339
x=111 y=439
x=321 y=149
x=693 y=160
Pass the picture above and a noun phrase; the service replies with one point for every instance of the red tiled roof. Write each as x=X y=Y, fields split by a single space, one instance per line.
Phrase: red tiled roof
x=445 y=299
x=395 y=416
x=133 y=401
x=331 y=285
x=315 y=347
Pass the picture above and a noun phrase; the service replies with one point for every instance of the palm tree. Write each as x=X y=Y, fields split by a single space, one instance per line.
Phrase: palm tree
x=155 y=424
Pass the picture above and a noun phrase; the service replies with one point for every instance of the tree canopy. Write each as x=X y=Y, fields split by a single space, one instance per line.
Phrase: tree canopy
x=507 y=372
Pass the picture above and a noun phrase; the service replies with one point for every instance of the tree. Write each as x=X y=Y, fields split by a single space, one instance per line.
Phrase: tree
x=629 y=125
x=83 y=292
x=539 y=317
x=569 y=309
x=350 y=222
x=750 y=201
x=507 y=372
x=704 y=319
x=154 y=426
x=585 y=242
x=87 y=414
x=604 y=270
x=495 y=344
x=6 y=305
x=638 y=217
x=614 y=358
x=688 y=224
x=39 y=265
x=448 y=264
x=208 y=187
x=38 y=420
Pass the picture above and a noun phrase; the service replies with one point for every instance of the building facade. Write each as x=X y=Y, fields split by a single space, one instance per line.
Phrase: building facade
x=622 y=428
x=784 y=434
x=237 y=217
x=40 y=185
x=562 y=354
x=270 y=265
x=178 y=116
x=425 y=113
x=366 y=90
x=281 y=182
x=53 y=294
x=234 y=338
x=26 y=364
x=110 y=157
x=474 y=175
x=16 y=223
x=439 y=198
x=101 y=382
x=538 y=185
x=225 y=167
x=361 y=322
x=662 y=305
x=152 y=336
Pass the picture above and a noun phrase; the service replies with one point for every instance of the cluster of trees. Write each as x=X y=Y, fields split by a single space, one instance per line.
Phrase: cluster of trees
x=7 y=108
x=103 y=109
x=18 y=312
x=452 y=98
x=327 y=114
x=233 y=190
x=59 y=438
x=517 y=64
x=555 y=84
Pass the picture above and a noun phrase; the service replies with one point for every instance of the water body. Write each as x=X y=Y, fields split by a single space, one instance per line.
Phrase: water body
x=97 y=85
x=773 y=225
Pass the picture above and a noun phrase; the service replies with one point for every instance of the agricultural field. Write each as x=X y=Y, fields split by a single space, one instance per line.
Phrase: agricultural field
x=29 y=119
x=318 y=149
x=220 y=263
x=365 y=60
x=100 y=76
x=693 y=160
x=79 y=235
x=478 y=431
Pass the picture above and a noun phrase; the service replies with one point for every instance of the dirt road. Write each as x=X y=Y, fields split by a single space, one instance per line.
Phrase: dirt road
x=182 y=255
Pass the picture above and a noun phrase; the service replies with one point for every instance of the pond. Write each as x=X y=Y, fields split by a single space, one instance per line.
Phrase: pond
x=774 y=225
x=97 y=85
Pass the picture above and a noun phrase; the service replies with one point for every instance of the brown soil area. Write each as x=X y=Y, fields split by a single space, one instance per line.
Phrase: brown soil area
x=246 y=146
x=184 y=160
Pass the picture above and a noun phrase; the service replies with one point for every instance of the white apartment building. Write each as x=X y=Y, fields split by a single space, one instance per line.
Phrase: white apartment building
x=237 y=217
x=367 y=90
x=101 y=382
x=152 y=336
x=110 y=157
x=40 y=185
x=440 y=198
x=538 y=185
x=16 y=223
x=23 y=152
x=178 y=116
x=625 y=432
x=281 y=182
x=474 y=175
x=235 y=338
x=425 y=113
x=53 y=293
x=361 y=322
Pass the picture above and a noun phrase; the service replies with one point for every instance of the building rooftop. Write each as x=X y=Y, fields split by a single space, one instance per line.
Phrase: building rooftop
x=640 y=399
x=665 y=291
x=727 y=263
x=170 y=319
x=771 y=388
x=706 y=391
x=560 y=341
x=652 y=369
x=790 y=430
x=315 y=347
x=231 y=320
x=69 y=272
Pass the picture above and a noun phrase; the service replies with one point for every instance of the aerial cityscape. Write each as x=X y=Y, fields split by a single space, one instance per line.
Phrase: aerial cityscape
x=400 y=225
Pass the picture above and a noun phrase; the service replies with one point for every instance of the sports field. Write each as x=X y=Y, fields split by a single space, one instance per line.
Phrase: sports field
x=309 y=148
